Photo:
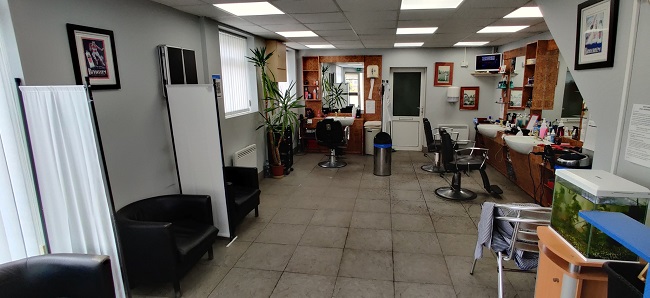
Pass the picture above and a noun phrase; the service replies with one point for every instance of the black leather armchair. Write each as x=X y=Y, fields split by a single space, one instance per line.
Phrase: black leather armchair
x=163 y=237
x=242 y=194
x=58 y=275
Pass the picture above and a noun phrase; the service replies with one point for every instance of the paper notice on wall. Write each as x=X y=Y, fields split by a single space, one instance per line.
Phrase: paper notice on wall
x=370 y=106
x=638 y=136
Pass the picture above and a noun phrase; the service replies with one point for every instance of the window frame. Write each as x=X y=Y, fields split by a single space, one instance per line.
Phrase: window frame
x=251 y=74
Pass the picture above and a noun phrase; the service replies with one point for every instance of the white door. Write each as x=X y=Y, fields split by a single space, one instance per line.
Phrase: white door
x=407 y=85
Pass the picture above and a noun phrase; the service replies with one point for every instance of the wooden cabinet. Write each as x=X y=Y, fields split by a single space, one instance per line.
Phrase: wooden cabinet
x=277 y=64
x=562 y=270
x=540 y=74
x=310 y=81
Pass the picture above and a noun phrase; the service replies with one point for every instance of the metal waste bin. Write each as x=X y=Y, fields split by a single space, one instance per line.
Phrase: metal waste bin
x=383 y=147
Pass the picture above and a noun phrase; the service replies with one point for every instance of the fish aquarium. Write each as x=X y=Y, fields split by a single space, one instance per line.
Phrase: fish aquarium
x=595 y=190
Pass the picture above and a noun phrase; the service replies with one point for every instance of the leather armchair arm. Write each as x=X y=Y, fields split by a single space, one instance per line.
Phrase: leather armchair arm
x=149 y=247
x=241 y=176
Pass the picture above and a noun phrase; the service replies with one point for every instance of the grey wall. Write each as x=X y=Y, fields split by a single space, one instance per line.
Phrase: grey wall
x=604 y=89
x=437 y=109
x=133 y=120
x=237 y=132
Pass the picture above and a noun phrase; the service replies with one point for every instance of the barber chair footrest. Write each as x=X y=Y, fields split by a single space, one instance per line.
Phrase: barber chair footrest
x=495 y=189
x=432 y=169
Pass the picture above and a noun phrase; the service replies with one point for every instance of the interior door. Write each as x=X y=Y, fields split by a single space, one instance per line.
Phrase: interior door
x=408 y=85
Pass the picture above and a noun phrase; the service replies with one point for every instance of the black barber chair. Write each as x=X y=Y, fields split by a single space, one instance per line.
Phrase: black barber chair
x=330 y=133
x=462 y=160
x=433 y=150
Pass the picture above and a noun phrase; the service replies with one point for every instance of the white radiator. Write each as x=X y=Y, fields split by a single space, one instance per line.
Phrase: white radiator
x=246 y=157
x=461 y=129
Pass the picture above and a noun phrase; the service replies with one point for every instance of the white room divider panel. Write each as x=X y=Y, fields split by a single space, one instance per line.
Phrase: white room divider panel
x=197 y=141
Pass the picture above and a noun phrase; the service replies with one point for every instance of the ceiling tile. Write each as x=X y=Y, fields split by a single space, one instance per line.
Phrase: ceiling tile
x=203 y=9
x=364 y=16
x=368 y=5
x=234 y=21
x=279 y=19
x=473 y=22
x=426 y=14
x=295 y=45
x=376 y=37
x=179 y=2
x=327 y=33
x=541 y=27
x=413 y=38
x=341 y=38
x=311 y=18
x=374 y=25
x=495 y=3
x=350 y=47
x=348 y=43
x=420 y=23
x=329 y=26
x=517 y=22
x=286 y=27
x=305 y=6
x=483 y=12
x=229 y=1
x=306 y=40
x=385 y=32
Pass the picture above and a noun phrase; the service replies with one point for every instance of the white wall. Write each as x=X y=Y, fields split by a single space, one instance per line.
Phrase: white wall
x=601 y=88
x=133 y=120
x=437 y=109
x=605 y=89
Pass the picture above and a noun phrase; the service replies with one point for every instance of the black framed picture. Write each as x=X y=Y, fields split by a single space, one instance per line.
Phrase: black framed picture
x=596 y=34
x=93 y=56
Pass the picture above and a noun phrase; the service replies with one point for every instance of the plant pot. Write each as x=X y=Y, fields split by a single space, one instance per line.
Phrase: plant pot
x=277 y=171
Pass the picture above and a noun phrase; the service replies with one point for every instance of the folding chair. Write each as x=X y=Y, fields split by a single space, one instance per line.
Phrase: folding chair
x=515 y=234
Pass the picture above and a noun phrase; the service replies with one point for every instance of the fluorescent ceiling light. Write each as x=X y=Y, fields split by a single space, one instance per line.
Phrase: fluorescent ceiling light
x=423 y=30
x=525 y=12
x=408 y=44
x=429 y=4
x=297 y=33
x=501 y=29
x=471 y=43
x=320 y=46
x=249 y=8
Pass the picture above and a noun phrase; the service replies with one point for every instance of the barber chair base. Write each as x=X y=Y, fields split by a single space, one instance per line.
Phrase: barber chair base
x=332 y=162
x=432 y=169
x=450 y=193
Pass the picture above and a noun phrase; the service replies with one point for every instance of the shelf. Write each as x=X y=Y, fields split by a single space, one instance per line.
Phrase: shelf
x=529 y=86
x=488 y=74
x=313 y=100
x=309 y=70
x=310 y=85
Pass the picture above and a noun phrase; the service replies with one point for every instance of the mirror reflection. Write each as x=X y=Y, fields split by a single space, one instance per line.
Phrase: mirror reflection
x=342 y=84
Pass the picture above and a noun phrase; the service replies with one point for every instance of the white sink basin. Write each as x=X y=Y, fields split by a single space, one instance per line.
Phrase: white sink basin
x=523 y=144
x=490 y=130
x=345 y=121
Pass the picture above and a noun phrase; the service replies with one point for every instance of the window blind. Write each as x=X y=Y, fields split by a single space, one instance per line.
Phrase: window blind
x=235 y=76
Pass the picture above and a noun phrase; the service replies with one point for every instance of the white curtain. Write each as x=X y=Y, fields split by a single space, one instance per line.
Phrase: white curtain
x=76 y=209
x=20 y=230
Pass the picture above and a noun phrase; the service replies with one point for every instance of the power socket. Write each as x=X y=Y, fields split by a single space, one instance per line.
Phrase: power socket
x=464 y=64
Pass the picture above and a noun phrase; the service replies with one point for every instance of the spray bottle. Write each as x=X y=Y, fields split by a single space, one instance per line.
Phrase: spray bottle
x=543 y=129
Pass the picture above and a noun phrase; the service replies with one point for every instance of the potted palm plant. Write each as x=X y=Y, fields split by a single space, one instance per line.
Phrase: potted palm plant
x=279 y=113
x=332 y=92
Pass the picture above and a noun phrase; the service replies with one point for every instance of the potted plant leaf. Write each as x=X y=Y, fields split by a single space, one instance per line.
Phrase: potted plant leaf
x=279 y=113
x=333 y=94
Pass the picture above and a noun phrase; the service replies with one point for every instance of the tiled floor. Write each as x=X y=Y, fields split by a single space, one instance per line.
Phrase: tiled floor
x=348 y=233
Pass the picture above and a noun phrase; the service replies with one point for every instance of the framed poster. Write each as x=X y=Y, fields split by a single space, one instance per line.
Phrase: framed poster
x=444 y=74
x=596 y=34
x=516 y=98
x=93 y=56
x=469 y=97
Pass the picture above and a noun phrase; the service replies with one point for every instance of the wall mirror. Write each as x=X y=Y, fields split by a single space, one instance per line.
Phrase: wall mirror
x=342 y=85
